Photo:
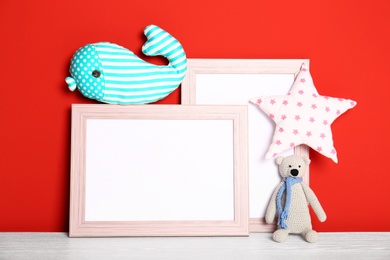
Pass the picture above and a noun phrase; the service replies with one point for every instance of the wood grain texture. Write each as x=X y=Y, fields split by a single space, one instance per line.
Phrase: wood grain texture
x=17 y=246
x=243 y=66
x=80 y=227
x=235 y=66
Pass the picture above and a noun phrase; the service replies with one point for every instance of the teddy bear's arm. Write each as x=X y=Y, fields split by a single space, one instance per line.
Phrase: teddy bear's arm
x=314 y=202
x=271 y=209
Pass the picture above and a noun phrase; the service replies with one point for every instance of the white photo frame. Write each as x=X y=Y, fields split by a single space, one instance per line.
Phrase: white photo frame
x=159 y=170
x=235 y=81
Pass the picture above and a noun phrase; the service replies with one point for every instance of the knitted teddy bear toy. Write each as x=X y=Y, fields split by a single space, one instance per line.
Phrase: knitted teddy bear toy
x=291 y=199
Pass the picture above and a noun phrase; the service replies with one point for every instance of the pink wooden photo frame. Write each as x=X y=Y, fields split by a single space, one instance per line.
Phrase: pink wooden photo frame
x=235 y=81
x=159 y=170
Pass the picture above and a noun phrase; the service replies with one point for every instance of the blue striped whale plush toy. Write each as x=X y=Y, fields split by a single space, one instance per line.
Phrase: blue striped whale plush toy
x=112 y=74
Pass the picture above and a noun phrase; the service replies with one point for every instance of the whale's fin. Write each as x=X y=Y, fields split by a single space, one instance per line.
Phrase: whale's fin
x=162 y=43
x=71 y=83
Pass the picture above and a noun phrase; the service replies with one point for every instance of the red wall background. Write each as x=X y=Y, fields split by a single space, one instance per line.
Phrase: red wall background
x=346 y=41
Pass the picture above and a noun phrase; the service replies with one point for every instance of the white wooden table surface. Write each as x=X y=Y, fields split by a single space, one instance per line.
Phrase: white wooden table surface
x=332 y=246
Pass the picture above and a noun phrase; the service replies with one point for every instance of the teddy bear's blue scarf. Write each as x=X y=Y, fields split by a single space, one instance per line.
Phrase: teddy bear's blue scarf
x=283 y=213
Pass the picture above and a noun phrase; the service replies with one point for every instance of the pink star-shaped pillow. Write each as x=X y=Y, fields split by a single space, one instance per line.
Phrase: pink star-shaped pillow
x=303 y=117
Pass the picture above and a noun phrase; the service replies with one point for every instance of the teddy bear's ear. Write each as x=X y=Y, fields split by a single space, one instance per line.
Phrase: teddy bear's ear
x=306 y=160
x=279 y=160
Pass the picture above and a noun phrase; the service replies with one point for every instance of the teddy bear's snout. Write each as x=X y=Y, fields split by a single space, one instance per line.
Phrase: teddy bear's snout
x=294 y=172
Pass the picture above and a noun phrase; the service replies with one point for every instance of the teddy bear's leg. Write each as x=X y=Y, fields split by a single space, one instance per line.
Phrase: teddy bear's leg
x=310 y=235
x=280 y=235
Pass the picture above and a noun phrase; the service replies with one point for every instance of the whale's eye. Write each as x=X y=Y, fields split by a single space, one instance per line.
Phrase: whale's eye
x=96 y=73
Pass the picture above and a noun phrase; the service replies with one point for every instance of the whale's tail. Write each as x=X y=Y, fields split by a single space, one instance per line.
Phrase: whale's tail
x=162 y=43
